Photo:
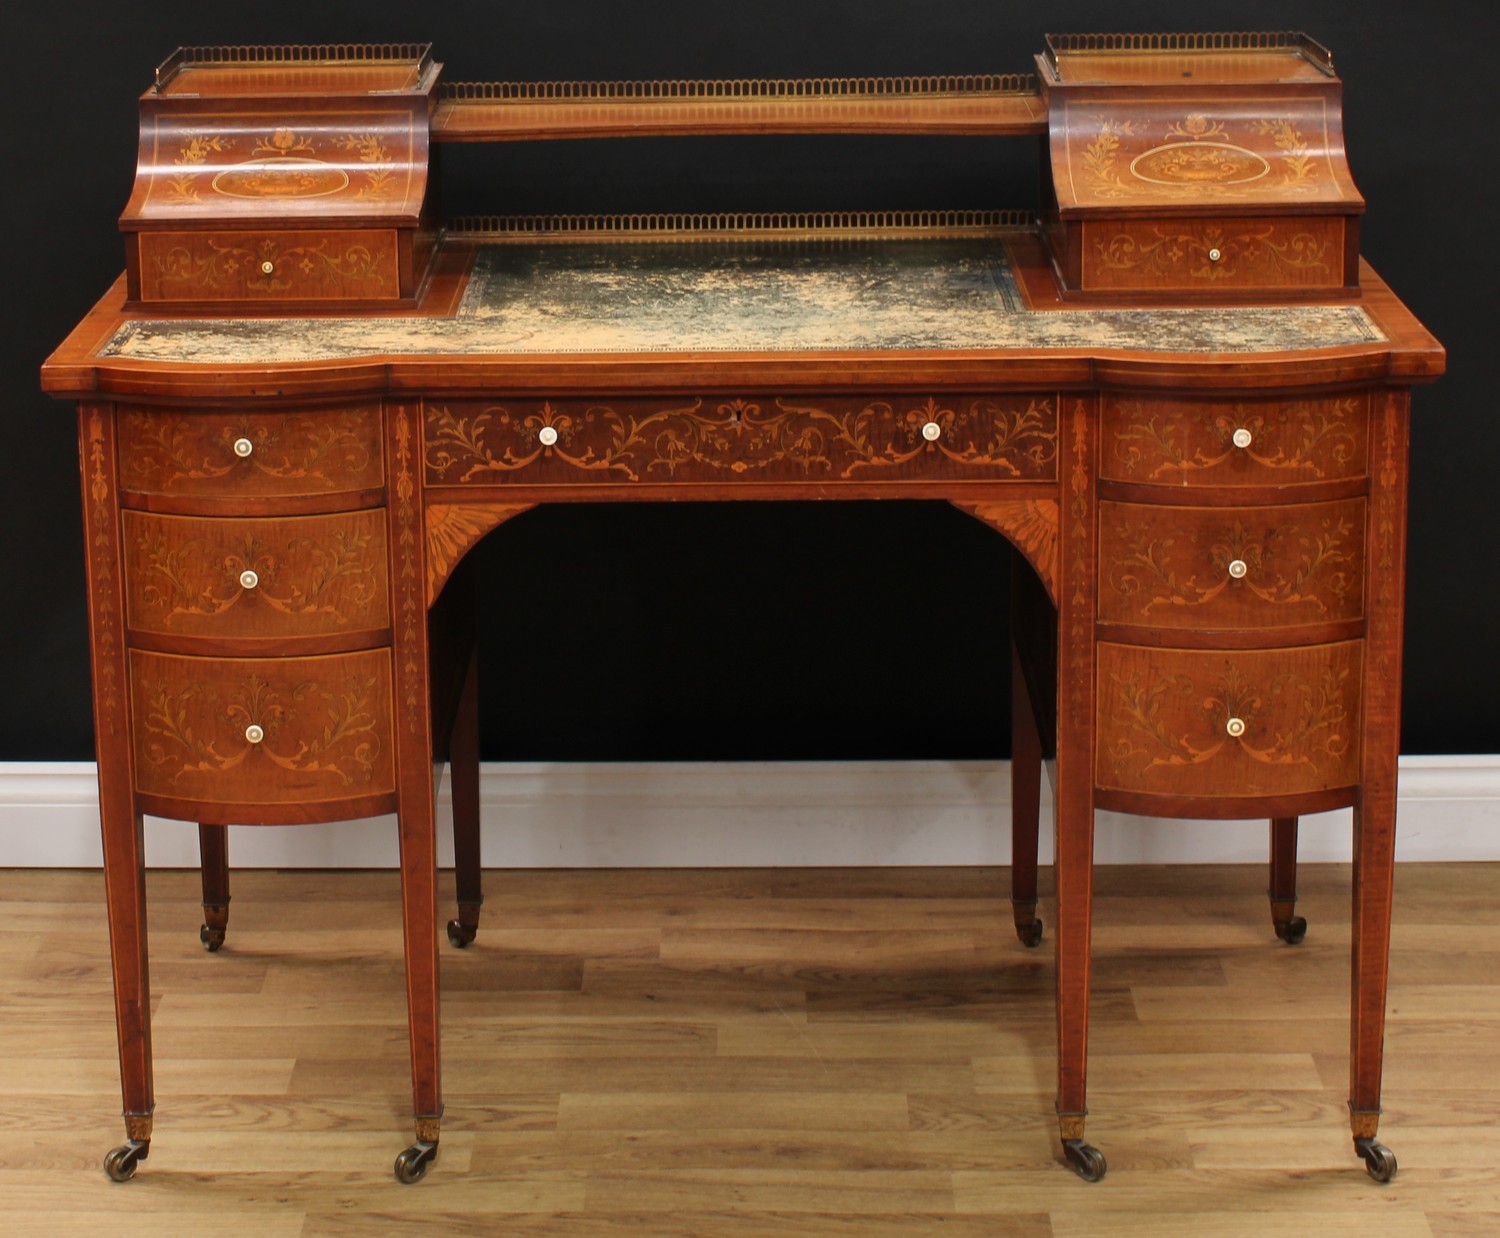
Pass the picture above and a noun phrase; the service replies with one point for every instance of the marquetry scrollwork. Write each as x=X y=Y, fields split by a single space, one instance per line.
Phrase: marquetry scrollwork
x=1213 y=252
x=315 y=728
x=1294 y=440
x=1204 y=723
x=268 y=264
x=1161 y=560
x=329 y=450
x=336 y=576
x=742 y=438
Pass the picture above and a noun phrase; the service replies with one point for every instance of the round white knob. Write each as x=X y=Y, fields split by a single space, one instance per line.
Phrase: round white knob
x=1243 y=438
x=254 y=733
x=1235 y=727
x=249 y=579
x=1215 y=254
x=548 y=436
x=243 y=447
x=268 y=266
x=1238 y=568
x=932 y=431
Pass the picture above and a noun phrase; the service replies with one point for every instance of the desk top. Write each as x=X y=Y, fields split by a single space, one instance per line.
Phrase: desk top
x=747 y=296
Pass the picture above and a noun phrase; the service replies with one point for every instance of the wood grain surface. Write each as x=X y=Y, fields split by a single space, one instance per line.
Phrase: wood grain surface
x=752 y=1052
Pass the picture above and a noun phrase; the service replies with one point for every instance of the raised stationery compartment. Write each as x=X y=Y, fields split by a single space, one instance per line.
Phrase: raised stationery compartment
x=283 y=177
x=1204 y=165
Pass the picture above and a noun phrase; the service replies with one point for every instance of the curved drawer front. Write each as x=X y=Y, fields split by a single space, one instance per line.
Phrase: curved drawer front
x=1235 y=442
x=1211 y=568
x=226 y=455
x=262 y=730
x=1189 y=722
x=747 y=440
x=257 y=578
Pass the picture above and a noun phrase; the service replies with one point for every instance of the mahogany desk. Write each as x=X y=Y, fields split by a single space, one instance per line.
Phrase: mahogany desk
x=1187 y=410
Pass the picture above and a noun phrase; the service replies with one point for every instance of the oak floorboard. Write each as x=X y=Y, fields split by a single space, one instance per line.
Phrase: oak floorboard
x=730 y=1054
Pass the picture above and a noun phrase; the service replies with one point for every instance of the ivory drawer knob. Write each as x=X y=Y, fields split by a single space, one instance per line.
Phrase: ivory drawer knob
x=1243 y=438
x=932 y=431
x=254 y=733
x=1238 y=568
x=267 y=267
x=548 y=436
x=1215 y=254
x=1235 y=727
x=243 y=447
x=249 y=579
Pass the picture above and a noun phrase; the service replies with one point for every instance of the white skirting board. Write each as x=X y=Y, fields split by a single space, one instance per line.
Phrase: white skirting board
x=748 y=814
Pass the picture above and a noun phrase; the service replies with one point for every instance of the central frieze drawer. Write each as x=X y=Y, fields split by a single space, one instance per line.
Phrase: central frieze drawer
x=258 y=578
x=224 y=456
x=1186 y=722
x=1250 y=442
x=745 y=439
x=262 y=730
x=1213 y=568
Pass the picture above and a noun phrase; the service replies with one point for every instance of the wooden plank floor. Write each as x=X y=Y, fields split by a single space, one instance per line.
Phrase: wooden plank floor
x=740 y=1053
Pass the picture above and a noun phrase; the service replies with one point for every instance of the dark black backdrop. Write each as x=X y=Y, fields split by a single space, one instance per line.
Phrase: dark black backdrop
x=836 y=630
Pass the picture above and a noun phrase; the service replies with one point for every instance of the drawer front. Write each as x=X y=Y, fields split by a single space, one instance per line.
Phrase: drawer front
x=746 y=440
x=227 y=455
x=1231 y=567
x=256 y=578
x=1213 y=255
x=311 y=265
x=1207 y=723
x=1235 y=442
x=324 y=727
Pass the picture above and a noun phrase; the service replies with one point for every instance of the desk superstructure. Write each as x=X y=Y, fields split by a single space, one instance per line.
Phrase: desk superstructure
x=1174 y=388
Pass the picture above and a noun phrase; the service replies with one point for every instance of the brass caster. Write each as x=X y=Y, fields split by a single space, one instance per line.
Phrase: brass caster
x=120 y=1163
x=1084 y=1159
x=411 y=1165
x=1380 y=1161
x=1030 y=935
x=1292 y=931
x=211 y=938
x=460 y=934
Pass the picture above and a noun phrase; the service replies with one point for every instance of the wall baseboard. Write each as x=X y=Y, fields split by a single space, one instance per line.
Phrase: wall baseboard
x=726 y=814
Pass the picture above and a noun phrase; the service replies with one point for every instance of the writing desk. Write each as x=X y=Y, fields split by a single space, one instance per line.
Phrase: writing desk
x=1192 y=429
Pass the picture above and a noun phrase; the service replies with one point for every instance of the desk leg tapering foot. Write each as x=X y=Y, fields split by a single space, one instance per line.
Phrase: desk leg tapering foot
x=1380 y=1161
x=1028 y=925
x=1289 y=928
x=464 y=929
x=215 y=924
x=1084 y=1159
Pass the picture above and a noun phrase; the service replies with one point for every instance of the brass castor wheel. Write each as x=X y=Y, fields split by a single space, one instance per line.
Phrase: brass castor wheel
x=1380 y=1161
x=411 y=1165
x=1292 y=931
x=1084 y=1159
x=460 y=934
x=120 y=1163
x=211 y=938
x=1030 y=934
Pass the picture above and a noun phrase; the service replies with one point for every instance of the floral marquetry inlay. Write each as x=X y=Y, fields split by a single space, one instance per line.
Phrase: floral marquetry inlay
x=299 y=453
x=1284 y=441
x=292 y=576
x=1186 y=722
x=1250 y=567
x=749 y=439
x=262 y=730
